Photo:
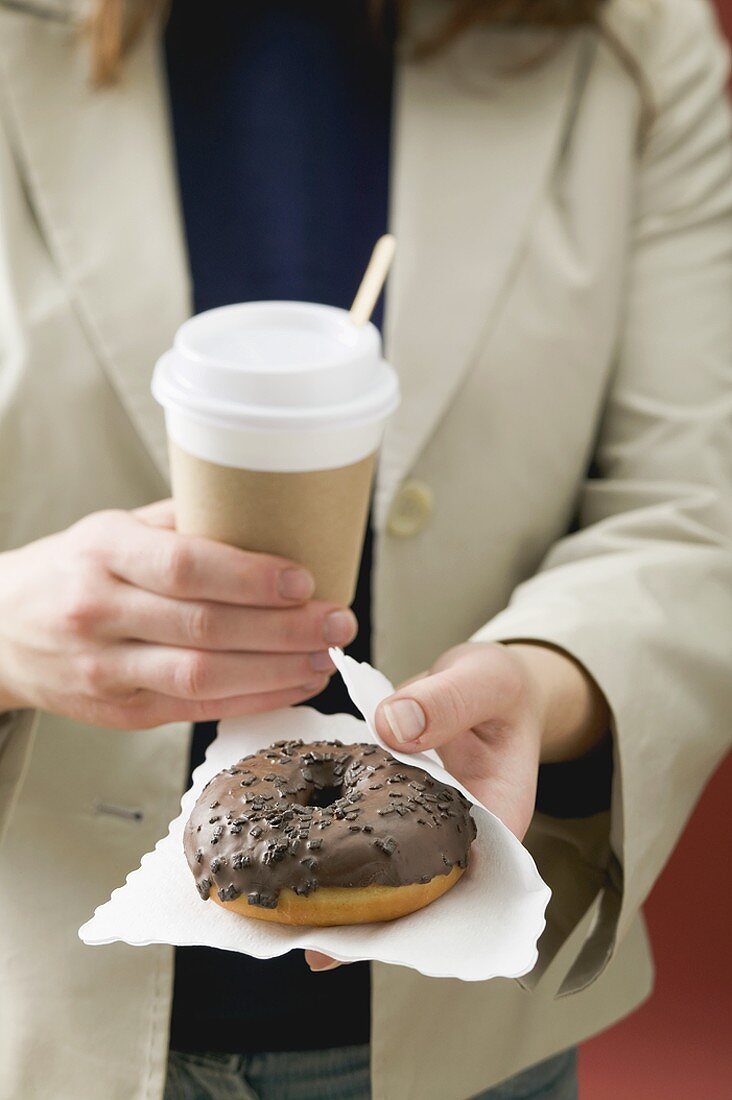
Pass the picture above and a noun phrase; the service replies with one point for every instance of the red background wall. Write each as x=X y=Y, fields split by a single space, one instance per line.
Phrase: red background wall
x=678 y=1046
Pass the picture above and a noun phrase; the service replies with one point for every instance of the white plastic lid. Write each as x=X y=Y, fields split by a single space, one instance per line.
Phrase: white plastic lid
x=277 y=365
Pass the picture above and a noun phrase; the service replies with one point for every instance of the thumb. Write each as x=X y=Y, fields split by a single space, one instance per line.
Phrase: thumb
x=432 y=711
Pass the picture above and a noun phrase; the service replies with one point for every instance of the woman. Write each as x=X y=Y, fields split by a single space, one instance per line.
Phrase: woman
x=559 y=177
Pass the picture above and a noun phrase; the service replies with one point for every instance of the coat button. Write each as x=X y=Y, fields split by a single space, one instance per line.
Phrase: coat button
x=410 y=510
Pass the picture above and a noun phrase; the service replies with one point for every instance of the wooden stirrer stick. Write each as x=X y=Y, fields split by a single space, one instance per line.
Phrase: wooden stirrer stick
x=373 y=279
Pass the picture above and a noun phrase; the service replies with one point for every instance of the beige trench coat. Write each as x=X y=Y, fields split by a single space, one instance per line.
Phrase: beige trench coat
x=558 y=298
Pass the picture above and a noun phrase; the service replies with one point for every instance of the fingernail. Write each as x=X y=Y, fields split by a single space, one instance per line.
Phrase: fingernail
x=406 y=719
x=328 y=966
x=321 y=661
x=296 y=584
x=340 y=627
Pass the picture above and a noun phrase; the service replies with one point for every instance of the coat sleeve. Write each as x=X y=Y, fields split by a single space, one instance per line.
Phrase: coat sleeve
x=16 y=739
x=641 y=594
x=16 y=727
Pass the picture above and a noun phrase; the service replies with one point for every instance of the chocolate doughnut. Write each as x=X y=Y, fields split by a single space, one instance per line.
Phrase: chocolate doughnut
x=326 y=833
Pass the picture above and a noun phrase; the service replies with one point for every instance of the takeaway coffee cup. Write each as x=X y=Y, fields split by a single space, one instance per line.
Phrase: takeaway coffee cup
x=274 y=413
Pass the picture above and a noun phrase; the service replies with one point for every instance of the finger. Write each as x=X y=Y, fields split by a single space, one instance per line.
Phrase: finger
x=207 y=674
x=434 y=710
x=317 y=961
x=412 y=680
x=149 y=709
x=210 y=710
x=159 y=514
x=146 y=616
x=189 y=567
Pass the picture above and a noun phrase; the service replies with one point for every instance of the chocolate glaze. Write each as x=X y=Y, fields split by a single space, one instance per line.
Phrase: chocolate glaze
x=261 y=825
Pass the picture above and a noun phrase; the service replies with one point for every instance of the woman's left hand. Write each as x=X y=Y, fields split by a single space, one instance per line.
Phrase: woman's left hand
x=493 y=712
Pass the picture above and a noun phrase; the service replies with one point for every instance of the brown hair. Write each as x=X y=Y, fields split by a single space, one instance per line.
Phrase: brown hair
x=114 y=25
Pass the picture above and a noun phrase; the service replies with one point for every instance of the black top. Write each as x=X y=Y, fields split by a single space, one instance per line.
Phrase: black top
x=281 y=116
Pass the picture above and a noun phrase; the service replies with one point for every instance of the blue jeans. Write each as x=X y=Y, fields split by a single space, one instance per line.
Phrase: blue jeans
x=341 y=1073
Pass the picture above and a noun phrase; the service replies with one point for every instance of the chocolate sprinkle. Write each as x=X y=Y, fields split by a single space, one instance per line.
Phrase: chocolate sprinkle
x=229 y=893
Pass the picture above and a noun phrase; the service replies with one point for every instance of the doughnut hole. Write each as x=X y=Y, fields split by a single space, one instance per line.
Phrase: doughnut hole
x=324 y=796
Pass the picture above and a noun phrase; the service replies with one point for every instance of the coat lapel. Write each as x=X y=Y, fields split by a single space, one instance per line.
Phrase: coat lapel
x=473 y=154
x=99 y=167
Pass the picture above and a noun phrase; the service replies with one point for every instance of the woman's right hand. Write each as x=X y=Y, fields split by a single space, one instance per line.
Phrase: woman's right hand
x=120 y=621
